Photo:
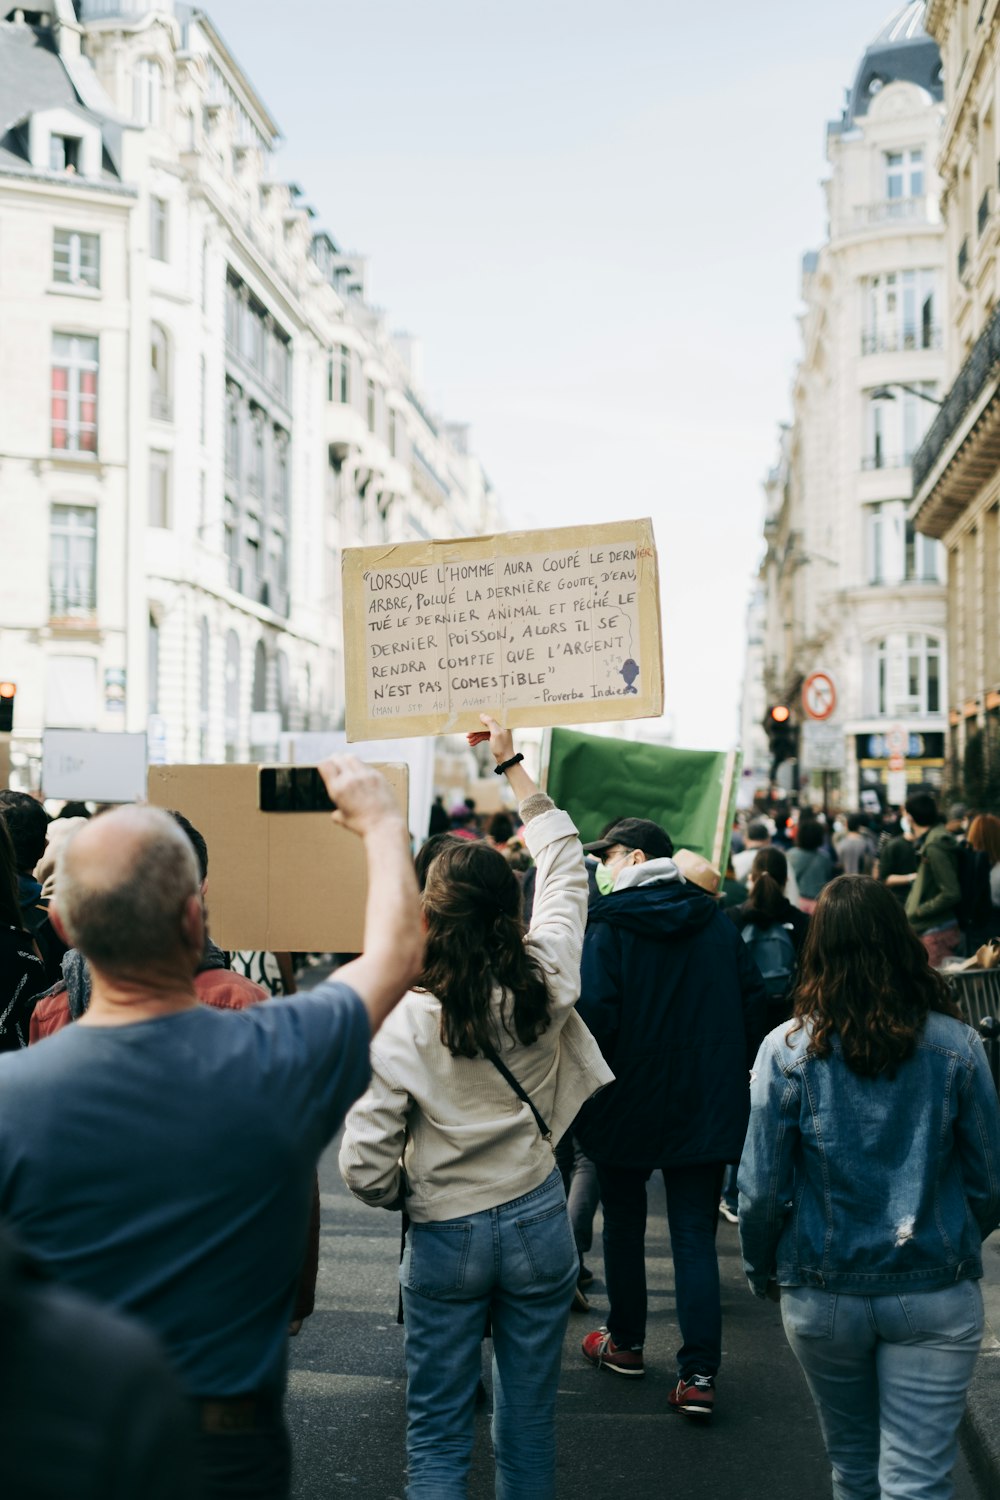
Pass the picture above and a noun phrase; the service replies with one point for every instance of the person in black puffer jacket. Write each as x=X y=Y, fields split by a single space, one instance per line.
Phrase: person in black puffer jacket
x=678 y=1007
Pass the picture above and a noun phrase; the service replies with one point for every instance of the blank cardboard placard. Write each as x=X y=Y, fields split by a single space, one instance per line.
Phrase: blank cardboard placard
x=284 y=882
x=4 y=761
x=536 y=627
x=87 y=765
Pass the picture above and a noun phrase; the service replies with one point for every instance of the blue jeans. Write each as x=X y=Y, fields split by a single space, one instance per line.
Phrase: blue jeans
x=519 y=1264
x=579 y=1175
x=888 y=1375
x=692 y=1216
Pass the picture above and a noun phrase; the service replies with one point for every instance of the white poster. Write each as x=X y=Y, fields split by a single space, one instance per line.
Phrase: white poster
x=82 y=765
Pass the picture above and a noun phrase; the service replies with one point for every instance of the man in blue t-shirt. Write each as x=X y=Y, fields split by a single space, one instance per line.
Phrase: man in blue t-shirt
x=160 y=1155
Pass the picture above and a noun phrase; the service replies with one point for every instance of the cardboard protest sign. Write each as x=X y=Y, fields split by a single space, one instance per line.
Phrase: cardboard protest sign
x=86 y=765
x=284 y=882
x=4 y=761
x=535 y=627
x=690 y=793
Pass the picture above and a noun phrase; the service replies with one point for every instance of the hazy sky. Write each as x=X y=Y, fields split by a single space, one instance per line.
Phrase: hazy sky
x=593 y=215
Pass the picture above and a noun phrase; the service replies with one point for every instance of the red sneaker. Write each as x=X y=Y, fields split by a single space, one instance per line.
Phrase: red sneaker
x=694 y=1397
x=602 y=1351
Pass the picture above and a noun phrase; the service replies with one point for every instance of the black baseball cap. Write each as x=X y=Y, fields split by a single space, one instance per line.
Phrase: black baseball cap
x=635 y=833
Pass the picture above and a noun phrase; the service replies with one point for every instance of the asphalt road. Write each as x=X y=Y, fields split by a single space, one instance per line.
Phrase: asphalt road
x=346 y=1403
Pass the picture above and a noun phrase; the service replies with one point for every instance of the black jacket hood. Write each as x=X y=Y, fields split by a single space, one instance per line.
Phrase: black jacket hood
x=658 y=911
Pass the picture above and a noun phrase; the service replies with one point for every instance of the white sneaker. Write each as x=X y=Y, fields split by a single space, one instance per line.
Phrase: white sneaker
x=727 y=1212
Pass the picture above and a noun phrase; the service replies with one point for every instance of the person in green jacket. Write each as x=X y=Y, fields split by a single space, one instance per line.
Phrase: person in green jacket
x=932 y=905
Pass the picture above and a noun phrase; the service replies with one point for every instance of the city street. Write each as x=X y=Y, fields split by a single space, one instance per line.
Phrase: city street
x=347 y=1386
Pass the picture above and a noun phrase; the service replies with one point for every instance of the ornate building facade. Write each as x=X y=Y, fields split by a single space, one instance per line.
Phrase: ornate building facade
x=202 y=408
x=956 y=473
x=851 y=588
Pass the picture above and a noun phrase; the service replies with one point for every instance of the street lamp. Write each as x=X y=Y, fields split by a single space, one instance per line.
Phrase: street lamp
x=887 y=393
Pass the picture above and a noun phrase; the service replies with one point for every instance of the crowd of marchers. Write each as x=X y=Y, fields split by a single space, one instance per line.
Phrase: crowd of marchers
x=533 y=1027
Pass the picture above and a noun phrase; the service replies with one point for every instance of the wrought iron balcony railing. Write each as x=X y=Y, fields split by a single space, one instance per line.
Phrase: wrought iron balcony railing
x=981 y=364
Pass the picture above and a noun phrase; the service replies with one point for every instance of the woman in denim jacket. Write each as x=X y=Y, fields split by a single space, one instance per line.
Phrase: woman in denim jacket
x=870 y=1176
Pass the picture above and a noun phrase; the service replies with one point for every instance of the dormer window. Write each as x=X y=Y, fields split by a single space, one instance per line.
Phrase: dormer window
x=64 y=153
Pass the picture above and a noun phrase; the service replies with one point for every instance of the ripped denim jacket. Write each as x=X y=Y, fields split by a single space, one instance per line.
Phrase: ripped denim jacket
x=870 y=1185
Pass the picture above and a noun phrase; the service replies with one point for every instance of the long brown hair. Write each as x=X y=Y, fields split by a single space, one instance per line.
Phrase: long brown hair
x=770 y=875
x=10 y=907
x=475 y=942
x=984 y=835
x=864 y=977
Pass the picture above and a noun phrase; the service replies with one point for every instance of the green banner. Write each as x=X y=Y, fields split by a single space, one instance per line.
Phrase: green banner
x=690 y=793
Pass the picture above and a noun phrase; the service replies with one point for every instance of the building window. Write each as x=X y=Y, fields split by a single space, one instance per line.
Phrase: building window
x=876 y=544
x=370 y=404
x=904 y=176
x=76 y=258
x=280 y=495
x=231 y=543
x=159 y=373
x=923 y=674
x=159 y=228
x=65 y=153
x=255 y=476
x=232 y=316
x=72 y=561
x=153 y=666
x=232 y=430
x=204 y=686
x=923 y=556
x=896 y=424
x=74 y=394
x=147 y=91
x=278 y=559
x=900 y=312
x=232 y=695
x=339 y=380
x=202 y=399
x=906 y=676
x=280 y=364
x=392 y=431
x=159 y=489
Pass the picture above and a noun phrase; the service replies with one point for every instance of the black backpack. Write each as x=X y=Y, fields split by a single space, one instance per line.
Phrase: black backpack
x=975 y=906
x=774 y=955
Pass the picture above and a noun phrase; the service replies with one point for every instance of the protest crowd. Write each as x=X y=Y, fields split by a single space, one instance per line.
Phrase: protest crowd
x=533 y=1027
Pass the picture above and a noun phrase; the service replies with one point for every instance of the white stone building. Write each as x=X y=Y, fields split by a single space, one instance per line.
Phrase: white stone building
x=200 y=407
x=851 y=589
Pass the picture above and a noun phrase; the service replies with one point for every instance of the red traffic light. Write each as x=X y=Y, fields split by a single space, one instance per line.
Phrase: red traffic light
x=780 y=714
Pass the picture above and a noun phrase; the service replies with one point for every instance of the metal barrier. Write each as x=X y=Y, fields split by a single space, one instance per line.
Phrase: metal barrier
x=978 y=993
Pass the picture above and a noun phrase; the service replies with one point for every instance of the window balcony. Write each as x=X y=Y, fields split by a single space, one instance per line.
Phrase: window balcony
x=893 y=211
x=76 y=606
x=882 y=460
x=898 y=340
x=161 y=407
x=972 y=444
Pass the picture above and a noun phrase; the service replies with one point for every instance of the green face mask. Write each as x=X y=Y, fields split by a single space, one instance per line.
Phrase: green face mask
x=605 y=880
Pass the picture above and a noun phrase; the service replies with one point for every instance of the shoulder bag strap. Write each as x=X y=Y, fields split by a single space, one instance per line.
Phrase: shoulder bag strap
x=524 y=1097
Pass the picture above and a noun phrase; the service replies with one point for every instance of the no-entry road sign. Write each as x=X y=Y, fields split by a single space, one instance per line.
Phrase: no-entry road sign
x=819 y=696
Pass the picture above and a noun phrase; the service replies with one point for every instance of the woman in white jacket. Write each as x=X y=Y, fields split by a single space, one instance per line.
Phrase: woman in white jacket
x=444 y=1131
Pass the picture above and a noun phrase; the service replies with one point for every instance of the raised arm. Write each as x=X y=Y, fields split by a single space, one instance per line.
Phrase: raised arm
x=394 y=940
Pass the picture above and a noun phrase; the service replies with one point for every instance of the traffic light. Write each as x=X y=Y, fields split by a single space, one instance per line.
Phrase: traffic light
x=782 y=734
x=7 y=694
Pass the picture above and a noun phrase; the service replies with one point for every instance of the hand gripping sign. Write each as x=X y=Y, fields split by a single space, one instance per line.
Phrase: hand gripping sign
x=535 y=627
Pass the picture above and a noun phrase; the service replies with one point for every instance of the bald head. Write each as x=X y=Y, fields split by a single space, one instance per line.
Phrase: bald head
x=125 y=881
